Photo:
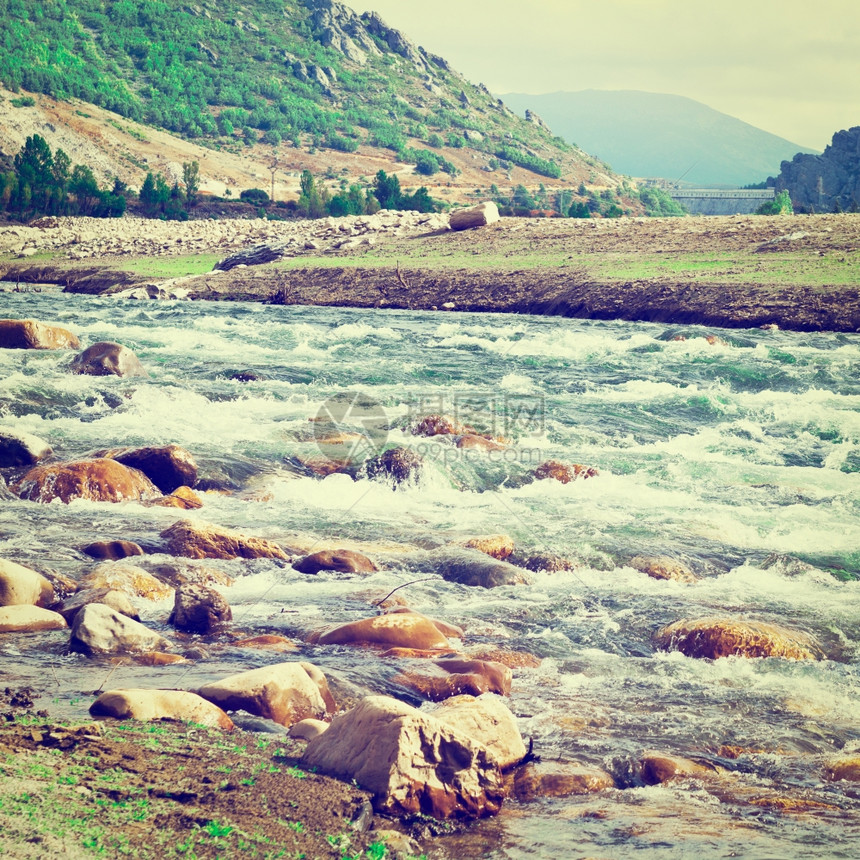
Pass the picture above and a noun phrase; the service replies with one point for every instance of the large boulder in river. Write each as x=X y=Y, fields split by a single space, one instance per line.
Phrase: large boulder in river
x=284 y=692
x=474 y=568
x=481 y=215
x=411 y=761
x=395 y=466
x=392 y=630
x=98 y=629
x=29 y=619
x=107 y=358
x=112 y=549
x=128 y=578
x=97 y=480
x=31 y=334
x=167 y=466
x=341 y=560
x=198 y=609
x=201 y=540
x=724 y=637
x=146 y=705
x=663 y=567
x=21 y=449
x=110 y=597
x=21 y=585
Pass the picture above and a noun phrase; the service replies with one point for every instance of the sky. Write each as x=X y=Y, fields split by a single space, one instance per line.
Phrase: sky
x=789 y=67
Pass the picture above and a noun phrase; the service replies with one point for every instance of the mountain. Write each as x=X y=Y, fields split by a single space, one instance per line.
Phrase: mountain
x=309 y=82
x=829 y=182
x=657 y=135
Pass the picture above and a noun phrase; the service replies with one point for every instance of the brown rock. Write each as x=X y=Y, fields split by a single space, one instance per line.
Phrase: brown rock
x=182 y=497
x=157 y=658
x=847 y=768
x=200 y=540
x=308 y=729
x=723 y=637
x=107 y=359
x=30 y=334
x=98 y=629
x=446 y=629
x=558 y=779
x=116 y=600
x=267 y=642
x=472 y=568
x=21 y=449
x=26 y=618
x=198 y=609
x=342 y=560
x=181 y=572
x=147 y=705
x=128 y=578
x=439 y=425
x=545 y=561
x=21 y=585
x=496 y=677
x=411 y=761
x=396 y=465
x=167 y=466
x=395 y=629
x=564 y=473
x=284 y=692
x=658 y=767
x=98 y=480
x=474 y=442
x=481 y=215
x=488 y=721
x=437 y=688
x=663 y=567
x=495 y=546
x=511 y=659
x=113 y=549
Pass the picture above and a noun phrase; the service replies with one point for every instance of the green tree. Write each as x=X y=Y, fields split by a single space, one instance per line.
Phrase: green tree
x=386 y=189
x=780 y=205
x=191 y=181
x=85 y=188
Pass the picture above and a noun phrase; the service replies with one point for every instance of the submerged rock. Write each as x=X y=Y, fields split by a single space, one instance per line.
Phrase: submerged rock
x=21 y=449
x=657 y=767
x=724 y=637
x=394 y=629
x=198 y=609
x=112 y=550
x=107 y=358
x=341 y=560
x=558 y=779
x=284 y=692
x=396 y=465
x=128 y=578
x=496 y=546
x=564 y=473
x=147 y=705
x=663 y=567
x=167 y=466
x=97 y=480
x=31 y=334
x=201 y=540
x=476 y=569
x=411 y=761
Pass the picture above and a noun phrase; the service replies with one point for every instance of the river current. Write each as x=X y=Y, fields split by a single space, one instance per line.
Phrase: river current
x=737 y=453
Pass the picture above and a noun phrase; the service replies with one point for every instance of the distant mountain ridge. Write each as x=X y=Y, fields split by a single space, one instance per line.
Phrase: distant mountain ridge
x=645 y=134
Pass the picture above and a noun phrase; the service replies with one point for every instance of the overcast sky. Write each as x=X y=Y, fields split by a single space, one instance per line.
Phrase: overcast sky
x=790 y=67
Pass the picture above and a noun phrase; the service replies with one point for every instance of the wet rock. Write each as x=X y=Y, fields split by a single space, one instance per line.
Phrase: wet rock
x=198 y=609
x=148 y=705
x=546 y=561
x=201 y=540
x=495 y=676
x=723 y=637
x=396 y=465
x=116 y=600
x=167 y=466
x=474 y=442
x=129 y=579
x=847 y=768
x=157 y=658
x=21 y=585
x=558 y=779
x=464 y=677
x=656 y=768
x=495 y=546
x=31 y=334
x=478 y=216
x=107 y=359
x=180 y=572
x=396 y=629
x=284 y=692
x=341 y=560
x=98 y=629
x=439 y=425
x=663 y=567
x=267 y=642
x=488 y=721
x=476 y=569
x=308 y=729
x=564 y=473
x=29 y=619
x=112 y=550
x=97 y=480
x=182 y=497
x=511 y=659
x=412 y=762
x=21 y=449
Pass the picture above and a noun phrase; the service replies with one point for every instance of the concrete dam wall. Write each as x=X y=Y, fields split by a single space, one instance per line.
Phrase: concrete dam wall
x=705 y=201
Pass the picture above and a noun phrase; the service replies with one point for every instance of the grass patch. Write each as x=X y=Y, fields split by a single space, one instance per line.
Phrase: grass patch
x=172 y=267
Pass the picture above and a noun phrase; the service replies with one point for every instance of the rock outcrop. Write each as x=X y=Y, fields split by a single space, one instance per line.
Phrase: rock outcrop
x=411 y=761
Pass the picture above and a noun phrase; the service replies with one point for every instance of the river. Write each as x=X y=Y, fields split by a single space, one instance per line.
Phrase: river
x=719 y=452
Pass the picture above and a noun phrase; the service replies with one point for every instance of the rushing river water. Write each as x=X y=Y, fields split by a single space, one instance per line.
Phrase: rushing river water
x=717 y=452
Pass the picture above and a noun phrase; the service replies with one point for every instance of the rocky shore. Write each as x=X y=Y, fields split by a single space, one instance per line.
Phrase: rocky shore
x=742 y=271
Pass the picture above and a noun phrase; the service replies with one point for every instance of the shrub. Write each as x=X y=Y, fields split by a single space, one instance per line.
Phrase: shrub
x=255 y=196
x=780 y=205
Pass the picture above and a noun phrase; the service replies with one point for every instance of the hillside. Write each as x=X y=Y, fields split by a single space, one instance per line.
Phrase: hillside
x=262 y=86
x=658 y=135
x=829 y=182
